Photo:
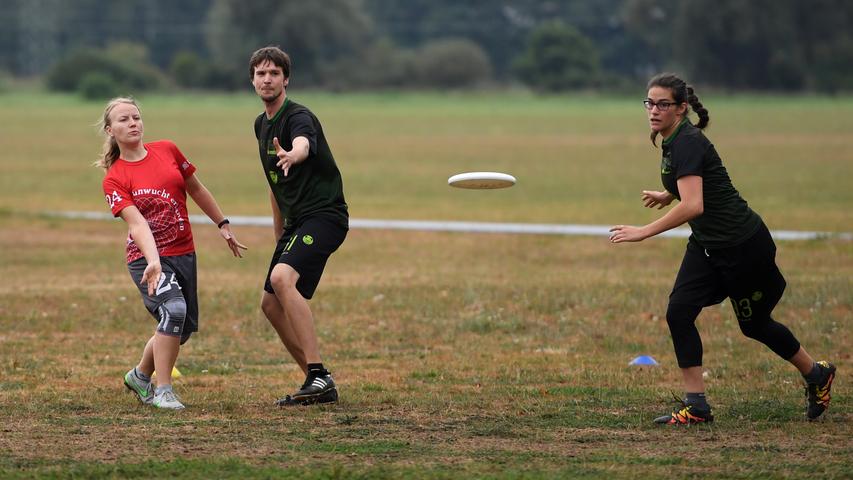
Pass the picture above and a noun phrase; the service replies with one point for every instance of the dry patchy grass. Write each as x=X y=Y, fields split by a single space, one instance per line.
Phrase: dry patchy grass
x=457 y=354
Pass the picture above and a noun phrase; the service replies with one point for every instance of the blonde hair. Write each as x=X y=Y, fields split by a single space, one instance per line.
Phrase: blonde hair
x=110 y=151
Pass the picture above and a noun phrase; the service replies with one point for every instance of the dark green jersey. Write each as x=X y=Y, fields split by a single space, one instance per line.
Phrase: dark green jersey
x=312 y=187
x=726 y=220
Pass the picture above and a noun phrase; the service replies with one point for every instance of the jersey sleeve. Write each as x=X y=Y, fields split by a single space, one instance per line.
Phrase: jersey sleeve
x=688 y=156
x=186 y=168
x=258 y=126
x=117 y=194
x=300 y=124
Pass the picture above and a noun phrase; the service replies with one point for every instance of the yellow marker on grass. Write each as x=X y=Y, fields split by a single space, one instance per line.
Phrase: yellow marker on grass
x=175 y=373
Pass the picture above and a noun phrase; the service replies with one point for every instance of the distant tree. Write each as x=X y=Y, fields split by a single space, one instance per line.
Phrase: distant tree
x=452 y=63
x=558 y=58
x=126 y=65
x=98 y=86
x=380 y=66
x=189 y=70
x=753 y=45
x=38 y=33
x=315 y=34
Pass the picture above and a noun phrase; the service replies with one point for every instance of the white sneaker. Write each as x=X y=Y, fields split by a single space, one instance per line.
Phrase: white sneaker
x=167 y=400
x=144 y=390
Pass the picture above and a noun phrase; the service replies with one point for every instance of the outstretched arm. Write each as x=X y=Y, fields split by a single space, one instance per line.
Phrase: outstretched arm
x=298 y=154
x=691 y=206
x=205 y=201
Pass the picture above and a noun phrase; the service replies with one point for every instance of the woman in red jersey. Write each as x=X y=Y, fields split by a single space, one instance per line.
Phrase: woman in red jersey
x=146 y=184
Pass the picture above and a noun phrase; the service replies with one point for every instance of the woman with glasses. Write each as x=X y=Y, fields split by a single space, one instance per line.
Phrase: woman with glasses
x=730 y=253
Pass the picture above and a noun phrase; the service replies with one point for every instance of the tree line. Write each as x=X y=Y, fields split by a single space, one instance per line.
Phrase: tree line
x=548 y=45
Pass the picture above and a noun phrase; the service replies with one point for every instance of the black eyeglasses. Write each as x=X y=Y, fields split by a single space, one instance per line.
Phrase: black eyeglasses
x=663 y=105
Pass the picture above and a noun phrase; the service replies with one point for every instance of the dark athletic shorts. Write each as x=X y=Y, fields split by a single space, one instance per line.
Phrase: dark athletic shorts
x=747 y=274
x=306 y=247
x=177 y=280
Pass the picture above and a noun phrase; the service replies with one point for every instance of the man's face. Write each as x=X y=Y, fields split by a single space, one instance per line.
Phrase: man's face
x=269 y=81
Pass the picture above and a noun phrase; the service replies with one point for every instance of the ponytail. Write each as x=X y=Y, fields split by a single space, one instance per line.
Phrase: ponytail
x=681 y=93
x=697 y=107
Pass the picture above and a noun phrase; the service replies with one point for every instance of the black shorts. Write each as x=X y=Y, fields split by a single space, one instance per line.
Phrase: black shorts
x=306 y=247
x=177 y=280
x=747 y=274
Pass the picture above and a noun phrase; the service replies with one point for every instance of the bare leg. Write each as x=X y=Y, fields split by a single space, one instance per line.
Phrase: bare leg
x=297 y=311
x=803 y=361
x=165 y=353
x=146 y=363
x=693 y=381
x=278 y=319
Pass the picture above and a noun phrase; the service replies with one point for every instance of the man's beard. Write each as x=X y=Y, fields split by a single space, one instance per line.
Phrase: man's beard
x=272 y=98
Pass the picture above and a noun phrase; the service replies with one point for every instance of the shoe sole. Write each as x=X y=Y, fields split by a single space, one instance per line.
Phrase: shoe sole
x=329 y=396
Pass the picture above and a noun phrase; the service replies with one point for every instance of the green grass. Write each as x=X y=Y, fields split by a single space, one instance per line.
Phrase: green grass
x=457 y=355
x=578 y=159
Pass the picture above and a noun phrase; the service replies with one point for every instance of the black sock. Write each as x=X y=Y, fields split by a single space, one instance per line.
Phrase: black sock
x=815 y=375
x=698 y=400
x=317 y=370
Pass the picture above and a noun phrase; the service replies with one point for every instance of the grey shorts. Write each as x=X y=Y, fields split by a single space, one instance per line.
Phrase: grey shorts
x=178 y=281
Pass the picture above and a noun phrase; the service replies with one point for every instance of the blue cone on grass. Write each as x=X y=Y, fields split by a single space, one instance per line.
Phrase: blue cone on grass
x=644 y=360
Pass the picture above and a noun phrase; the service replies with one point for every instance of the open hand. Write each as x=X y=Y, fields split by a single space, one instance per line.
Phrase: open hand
x=285 y=158
x=626 y=233
x=151 y=276
x=657 y=199
x=233 y=244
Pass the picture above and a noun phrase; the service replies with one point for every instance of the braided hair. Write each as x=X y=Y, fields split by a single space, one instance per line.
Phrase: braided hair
x=681 y=93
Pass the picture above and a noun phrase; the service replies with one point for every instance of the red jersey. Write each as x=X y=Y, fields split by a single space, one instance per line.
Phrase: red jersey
x=155 y=185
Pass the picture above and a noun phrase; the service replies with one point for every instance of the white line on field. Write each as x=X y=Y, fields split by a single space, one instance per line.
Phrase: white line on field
x=473 y=227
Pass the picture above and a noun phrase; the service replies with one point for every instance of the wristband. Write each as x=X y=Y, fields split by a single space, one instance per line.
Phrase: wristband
x=223 y=223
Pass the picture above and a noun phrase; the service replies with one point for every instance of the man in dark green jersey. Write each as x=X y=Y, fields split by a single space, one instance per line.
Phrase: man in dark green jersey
x=310 y=218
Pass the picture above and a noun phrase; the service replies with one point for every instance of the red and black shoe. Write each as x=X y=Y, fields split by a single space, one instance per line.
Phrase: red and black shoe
x=818 y=393
x=687 y=415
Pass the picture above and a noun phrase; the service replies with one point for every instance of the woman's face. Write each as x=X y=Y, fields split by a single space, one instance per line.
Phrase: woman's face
x=125 y=124
x=664 y=114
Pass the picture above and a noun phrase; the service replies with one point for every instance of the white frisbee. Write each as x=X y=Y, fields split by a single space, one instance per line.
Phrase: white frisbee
x=481 y=180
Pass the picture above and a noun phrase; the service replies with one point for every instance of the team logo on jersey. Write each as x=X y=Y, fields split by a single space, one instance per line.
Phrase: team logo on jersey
x=307 y=239
x=665 y=166
x=273 y=176
x=757 y=296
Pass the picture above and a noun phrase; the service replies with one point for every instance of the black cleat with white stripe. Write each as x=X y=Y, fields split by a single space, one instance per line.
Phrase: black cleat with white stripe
x=315 y=390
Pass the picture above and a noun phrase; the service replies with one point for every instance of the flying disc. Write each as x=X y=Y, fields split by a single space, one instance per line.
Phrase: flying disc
x=481 y=180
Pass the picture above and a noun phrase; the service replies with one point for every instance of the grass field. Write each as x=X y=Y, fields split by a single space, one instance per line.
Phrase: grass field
x=457 y=355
